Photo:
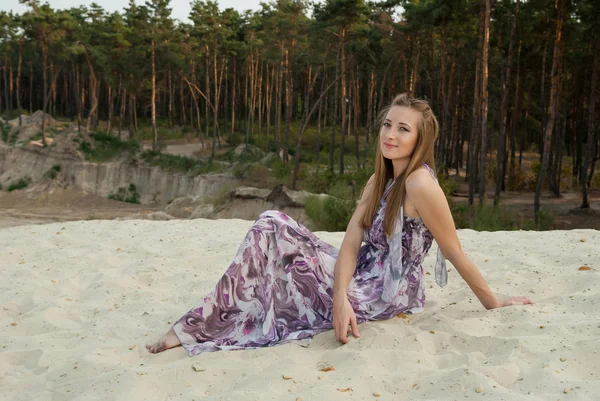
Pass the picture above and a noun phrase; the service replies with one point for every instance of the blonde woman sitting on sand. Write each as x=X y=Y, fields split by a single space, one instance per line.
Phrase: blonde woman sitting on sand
x=287 y=284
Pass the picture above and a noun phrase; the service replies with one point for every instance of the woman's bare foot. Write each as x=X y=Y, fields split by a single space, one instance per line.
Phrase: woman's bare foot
x=170 y=340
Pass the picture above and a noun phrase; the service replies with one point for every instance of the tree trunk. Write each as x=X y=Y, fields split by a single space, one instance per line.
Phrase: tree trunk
x=551 y=108
x=78 y=96
x=516 y=110
x=269 y=101
x=319 y=116
x=30 y=88
x=543 y=89
x=484 y=101
x=122 y=111
x=260 y=98
x=356 y=108
x=335 y=112
x=343 y=100
x=182 y=117
x=44 y=47
x=93 y=101
x=110 y=109
x=207 y=89
x=170 y=100
x=588 y=165
x=370 y=104
x=153 y=102
x=6 y=85
x=500 y=169
x=475 y=125
x=288 y=109
x=555 y=164
x=279 y=111
x=233 y=96
x=414 y=77
x=216 y=102
x=19 y=80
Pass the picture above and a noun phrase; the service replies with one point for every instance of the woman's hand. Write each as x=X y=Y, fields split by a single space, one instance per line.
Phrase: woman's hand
x=343 y=315
x=520 y=300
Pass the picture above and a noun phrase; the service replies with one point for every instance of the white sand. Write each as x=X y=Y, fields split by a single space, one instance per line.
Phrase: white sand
x=76 y=297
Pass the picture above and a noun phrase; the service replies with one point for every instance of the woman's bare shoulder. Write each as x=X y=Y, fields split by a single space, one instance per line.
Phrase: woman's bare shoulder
x=419 y=178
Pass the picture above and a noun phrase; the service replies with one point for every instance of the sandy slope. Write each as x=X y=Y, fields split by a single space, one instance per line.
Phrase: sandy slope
x=78 y=301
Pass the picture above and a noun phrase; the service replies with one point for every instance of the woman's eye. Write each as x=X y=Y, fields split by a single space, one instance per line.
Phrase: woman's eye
x=386 y=124
x=402 y=128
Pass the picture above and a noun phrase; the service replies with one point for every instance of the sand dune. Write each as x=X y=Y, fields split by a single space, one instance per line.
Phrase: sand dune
x=79 y=300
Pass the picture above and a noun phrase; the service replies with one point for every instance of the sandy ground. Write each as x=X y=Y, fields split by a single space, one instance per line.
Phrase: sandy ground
x=79 y=300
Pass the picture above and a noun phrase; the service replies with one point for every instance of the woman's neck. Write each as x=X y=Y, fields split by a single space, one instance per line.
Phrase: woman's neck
x=400 y=166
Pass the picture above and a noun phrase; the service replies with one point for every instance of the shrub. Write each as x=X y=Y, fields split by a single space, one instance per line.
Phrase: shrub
x=19 y=184
x=496 y=218
x=259 y=171
x=341 y=189
x=204 y=168
x=319 y=181
x=447 y=184
x=106 y=147
x=129 y=194
x=330 y=214
x=4 y=129
x=280 y=170
x=491 y=169
x=240 y=170
x=517 y=179
x=53 y=171
x=234 y=139
x=170 y=162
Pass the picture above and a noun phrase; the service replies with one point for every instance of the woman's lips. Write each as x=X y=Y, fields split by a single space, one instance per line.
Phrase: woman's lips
x=389 y=146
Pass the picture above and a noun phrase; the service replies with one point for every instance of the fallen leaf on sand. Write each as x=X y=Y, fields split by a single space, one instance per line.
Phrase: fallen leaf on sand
x=344 y=390
x=583 y=268
x=583 y=240
x=13 y=324
x=327 y=369
x=376 y=395
x=285 y=377
x=402 y=315
x=132 y=347
x=197 y=367
x=563 y=359
x=432 y=332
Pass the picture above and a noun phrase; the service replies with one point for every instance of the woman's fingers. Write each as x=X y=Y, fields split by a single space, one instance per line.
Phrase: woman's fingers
x=520 y=300
x=343 y=332
x=354 y=326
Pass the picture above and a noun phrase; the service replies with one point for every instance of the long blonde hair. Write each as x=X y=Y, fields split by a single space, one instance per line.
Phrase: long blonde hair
x=428 y=130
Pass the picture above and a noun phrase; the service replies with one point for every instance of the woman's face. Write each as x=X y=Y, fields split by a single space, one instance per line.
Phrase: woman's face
x=398 y=136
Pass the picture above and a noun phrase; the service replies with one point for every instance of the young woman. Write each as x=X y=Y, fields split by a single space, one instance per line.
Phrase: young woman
x=286 y=284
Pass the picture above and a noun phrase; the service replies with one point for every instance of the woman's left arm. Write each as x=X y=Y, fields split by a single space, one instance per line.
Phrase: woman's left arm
x=433 y=208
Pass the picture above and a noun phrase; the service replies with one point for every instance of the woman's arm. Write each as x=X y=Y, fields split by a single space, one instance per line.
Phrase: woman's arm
x=433 y=208
x=346 y=261
x=345 y=265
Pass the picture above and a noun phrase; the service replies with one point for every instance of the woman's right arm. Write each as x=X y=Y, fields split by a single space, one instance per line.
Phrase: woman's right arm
x=343 y=314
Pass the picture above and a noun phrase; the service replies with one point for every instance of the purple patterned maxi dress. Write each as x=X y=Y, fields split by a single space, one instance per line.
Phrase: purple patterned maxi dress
x=279 y=286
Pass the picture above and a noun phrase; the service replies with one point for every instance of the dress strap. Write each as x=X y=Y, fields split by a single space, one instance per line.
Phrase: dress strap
x=397 y=268
x=441 y=274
